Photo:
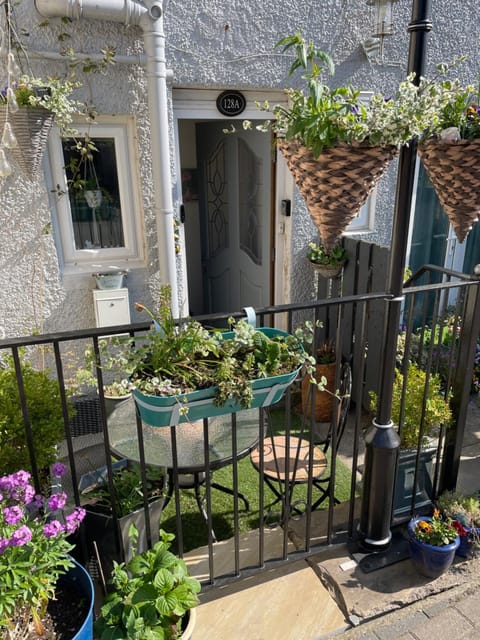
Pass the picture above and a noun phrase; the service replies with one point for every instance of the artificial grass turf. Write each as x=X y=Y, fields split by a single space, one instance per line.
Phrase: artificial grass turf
x=194 y=526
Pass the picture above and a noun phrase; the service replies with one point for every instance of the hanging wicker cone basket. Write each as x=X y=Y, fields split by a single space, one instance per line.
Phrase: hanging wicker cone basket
x=454 y=170
x=335 y=185
x=31 y=126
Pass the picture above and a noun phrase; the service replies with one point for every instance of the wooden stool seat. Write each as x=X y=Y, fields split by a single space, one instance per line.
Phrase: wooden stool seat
x=275 y=467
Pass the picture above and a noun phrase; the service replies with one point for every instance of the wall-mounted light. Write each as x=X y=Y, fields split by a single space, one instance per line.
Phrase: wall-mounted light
x=383 y=25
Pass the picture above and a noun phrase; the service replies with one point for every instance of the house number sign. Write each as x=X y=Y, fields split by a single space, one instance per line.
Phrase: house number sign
x=231 y=103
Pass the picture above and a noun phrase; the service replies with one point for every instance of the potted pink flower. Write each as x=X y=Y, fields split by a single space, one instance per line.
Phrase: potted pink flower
x=35 y=568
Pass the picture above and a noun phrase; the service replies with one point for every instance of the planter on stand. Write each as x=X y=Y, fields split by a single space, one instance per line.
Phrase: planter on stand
x=162 y=411
x=429 y=560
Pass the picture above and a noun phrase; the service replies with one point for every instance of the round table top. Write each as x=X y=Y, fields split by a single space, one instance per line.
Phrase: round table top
x=122 y=432
x=275 y=459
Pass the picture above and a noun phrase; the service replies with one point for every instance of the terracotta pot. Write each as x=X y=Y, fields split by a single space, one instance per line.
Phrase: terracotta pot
x=323 y=401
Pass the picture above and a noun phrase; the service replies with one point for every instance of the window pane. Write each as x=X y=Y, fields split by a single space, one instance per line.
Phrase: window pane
x=95 y=209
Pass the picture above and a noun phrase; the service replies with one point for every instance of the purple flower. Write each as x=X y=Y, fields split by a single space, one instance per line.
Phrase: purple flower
x=38 y=500
x=58 y=469
x=73 y=520
x=21 y=536
x=24 y=494
x=6 y=483
x=4 y=543
x=57 y=501
x=12 y=515
x=52 y=529
x=21 y=478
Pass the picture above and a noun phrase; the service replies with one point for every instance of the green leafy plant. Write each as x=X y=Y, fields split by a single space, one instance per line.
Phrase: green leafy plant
x=326 y=353
x=33 y=551
x=321 y=117
x=436 y=530
x=457 y=110
x=127 y=489
x=437 y=408
x=45 y=413
x=175 y=358
x=150 y=595
x=117 y=388
x=319 y=254
x=441 y=342
x=465 y=509
x=51 y=93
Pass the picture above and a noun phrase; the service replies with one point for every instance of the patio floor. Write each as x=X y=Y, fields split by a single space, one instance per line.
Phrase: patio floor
x=325 y=594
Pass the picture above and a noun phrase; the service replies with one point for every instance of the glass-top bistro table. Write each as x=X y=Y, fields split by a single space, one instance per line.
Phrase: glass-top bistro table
x=193 y=458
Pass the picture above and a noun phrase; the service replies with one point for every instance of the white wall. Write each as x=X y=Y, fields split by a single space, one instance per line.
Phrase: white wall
x=209 y=44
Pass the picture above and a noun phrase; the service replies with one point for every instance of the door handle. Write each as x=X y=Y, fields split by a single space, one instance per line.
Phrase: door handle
x=182 y=213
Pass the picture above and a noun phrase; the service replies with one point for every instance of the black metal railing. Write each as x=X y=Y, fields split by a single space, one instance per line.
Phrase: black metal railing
x=440 y=325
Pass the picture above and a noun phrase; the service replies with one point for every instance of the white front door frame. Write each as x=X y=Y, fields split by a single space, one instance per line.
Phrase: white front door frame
x=200 y=104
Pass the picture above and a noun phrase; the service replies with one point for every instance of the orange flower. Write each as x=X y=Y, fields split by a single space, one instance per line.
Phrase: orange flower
x=425 y=527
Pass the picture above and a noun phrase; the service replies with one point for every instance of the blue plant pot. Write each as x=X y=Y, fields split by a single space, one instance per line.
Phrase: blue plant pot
x=469 y=543
x=79 y=577
x=162 y=411
x=429 y=560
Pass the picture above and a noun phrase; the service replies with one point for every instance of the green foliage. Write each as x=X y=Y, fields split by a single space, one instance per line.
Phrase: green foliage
x=437 y=408
x=51 y=93
x=128 y=489
x=177 y=358
x=457 y=110
x=45 y=413
x=464 y=509
x=335 y=256
x=321 y=117
x=150 y=596
x=435 y=530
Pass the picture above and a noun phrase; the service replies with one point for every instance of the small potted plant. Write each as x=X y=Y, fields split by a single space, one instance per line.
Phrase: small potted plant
x=28 y=108
x=465 y=513
x=437 y=412
x=327 y=262
x=35 y=567
x=182 y=371
x=450 y=144
x=432 y=543
x=127 y=504
x=163 y=593
x=323 y=402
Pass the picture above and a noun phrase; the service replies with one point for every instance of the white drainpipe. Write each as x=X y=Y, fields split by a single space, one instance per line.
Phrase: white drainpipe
x=149 y=16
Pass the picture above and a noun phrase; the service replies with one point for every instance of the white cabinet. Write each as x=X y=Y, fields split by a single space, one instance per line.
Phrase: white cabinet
x=111 y=307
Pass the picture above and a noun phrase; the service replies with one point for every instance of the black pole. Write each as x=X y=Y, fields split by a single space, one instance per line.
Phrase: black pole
x=381 y=440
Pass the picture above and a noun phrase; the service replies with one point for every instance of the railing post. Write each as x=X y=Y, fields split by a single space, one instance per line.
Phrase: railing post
x=462 y=385
x=381 y=440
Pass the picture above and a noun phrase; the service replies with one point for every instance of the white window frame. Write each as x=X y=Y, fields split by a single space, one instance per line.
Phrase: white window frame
x=364 y=220
x=73 y=260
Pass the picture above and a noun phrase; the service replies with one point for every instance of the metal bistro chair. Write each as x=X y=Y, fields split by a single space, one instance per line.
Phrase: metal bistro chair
x=287 y=462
